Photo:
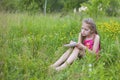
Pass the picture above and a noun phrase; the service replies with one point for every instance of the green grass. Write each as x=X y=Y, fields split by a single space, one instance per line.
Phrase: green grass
x=30 y=43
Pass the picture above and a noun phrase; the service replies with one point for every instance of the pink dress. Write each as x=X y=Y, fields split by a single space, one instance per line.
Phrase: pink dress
x=89 y=44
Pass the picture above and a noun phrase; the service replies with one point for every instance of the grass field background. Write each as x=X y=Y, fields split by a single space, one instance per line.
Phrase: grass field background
x=30 y=43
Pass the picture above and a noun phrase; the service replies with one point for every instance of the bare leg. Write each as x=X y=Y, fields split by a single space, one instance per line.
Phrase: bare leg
x=71 y=58
x=62 y=58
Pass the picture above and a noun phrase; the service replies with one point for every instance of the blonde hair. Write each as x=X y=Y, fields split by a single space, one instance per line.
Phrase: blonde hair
x=91 y=23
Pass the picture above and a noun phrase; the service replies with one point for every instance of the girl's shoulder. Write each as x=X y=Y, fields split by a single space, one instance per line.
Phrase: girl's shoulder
x=97 y=37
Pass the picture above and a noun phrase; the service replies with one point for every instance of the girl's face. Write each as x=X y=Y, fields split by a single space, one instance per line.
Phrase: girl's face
x=85 y=30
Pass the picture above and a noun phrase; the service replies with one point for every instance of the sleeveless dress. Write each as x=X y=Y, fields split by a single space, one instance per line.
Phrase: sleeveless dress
x=89 y=44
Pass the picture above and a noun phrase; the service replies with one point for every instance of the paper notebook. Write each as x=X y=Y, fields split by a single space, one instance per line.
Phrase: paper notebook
x=71 y=44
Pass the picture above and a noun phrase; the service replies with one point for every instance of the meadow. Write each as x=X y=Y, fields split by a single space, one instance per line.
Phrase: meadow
x=29 y=44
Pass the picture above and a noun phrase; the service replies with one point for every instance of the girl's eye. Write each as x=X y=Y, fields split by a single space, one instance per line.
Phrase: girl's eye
x=86 y=29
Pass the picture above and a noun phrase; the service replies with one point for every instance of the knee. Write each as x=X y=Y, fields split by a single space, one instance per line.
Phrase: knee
x=76 y=49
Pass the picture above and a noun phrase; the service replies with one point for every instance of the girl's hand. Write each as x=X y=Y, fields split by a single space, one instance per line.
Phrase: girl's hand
x=80 y=46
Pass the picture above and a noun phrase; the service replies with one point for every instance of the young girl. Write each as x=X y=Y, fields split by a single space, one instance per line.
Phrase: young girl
x=88 y=40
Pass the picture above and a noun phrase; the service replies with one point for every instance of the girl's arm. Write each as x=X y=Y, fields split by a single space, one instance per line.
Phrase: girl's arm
x=79 y=38
x=96 y=43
